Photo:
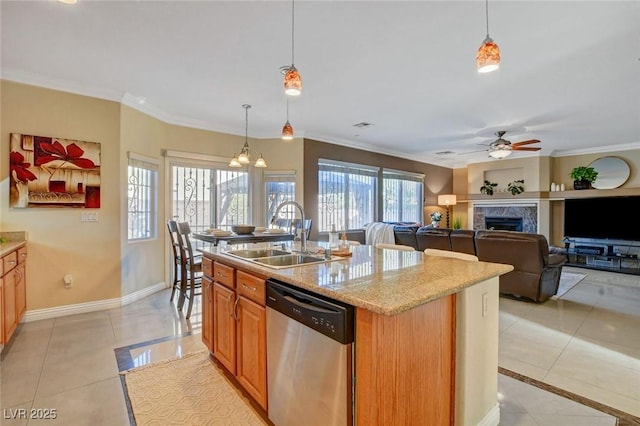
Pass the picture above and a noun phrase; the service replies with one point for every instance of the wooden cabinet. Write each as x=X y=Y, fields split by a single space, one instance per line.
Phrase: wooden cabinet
x=9 y=316
x=224 y=327
x=240 y=328
x=207 y=312
x=13 y=289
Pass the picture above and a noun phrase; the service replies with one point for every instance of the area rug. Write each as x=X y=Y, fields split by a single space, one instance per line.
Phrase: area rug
x=567 y=281
x=186 y=391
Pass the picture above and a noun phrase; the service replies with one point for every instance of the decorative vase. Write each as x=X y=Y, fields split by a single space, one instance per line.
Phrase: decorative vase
x=581 y=184
x=562 y=187
x=553 y=187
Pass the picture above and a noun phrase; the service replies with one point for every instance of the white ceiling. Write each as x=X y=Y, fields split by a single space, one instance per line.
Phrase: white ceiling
x=570 y=71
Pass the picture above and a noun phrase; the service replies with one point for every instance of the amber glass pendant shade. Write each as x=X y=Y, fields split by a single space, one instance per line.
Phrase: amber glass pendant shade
x=488 y=57
x=292 y=82
x=287 y=131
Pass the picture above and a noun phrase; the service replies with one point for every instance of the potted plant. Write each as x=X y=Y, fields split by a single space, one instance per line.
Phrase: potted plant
x=436 y=217
x=516 y=187
x=488 y=187
x=583 y=177
x=457 y=222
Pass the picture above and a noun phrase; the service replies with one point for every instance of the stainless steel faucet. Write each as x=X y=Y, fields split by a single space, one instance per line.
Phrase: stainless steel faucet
x=303 y=233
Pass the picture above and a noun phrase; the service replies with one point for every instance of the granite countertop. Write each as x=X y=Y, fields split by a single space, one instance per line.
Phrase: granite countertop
x=383 y=281
x=9 y=246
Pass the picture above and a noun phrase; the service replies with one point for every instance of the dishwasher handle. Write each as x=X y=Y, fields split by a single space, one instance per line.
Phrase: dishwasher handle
x=329 y=317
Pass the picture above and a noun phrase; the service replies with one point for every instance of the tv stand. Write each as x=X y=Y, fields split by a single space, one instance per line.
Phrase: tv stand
x=607 y=255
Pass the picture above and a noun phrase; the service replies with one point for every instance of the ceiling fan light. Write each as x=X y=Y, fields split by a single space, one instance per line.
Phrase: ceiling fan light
x=488 y=57
x=500 y=153
x=260 y=162
x=292 y=82
x=287 y=131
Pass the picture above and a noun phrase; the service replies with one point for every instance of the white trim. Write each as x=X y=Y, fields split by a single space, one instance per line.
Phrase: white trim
x=492 y=418
x=144 y=158
x=183 y=155
x=99 y=305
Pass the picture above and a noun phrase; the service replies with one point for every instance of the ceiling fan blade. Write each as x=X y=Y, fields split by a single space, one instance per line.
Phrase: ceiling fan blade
x=530 y=141
x=517 y=148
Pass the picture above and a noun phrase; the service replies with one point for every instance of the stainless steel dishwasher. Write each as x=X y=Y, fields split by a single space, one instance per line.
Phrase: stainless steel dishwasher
x=309 y=358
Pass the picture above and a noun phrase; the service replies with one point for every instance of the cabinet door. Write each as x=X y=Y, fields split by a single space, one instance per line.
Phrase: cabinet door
x=2 y=341
x=21 y=291
x=9 y=305
x=252 y=349
x=224 y=327
x=207 y=312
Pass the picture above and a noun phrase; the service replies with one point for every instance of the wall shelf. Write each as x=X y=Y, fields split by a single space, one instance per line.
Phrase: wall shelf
x=551 y=195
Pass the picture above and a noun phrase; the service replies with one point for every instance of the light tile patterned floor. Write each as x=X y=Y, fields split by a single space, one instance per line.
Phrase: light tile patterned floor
x=69 y=364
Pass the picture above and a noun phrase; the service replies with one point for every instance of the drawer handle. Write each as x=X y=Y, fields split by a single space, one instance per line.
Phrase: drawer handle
x=220 y=274
x=11 y=262
x=249 y=287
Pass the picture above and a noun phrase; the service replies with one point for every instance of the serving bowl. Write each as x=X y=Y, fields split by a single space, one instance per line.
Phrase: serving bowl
x=243 y=229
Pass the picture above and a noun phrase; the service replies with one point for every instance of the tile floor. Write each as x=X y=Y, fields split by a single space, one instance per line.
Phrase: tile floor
x=69 y=364
x=587 y=342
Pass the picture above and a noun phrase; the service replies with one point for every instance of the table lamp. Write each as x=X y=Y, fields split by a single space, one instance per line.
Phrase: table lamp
x=447 y=200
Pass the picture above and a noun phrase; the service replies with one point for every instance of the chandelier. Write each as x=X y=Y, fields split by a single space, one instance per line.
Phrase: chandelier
x=243 y=158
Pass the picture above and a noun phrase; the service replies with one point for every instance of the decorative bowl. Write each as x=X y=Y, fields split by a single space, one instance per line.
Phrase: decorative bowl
x=243 y=229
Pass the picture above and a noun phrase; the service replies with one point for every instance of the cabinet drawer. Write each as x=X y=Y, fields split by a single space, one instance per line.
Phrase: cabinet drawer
x=9 y=261
x=223 y=274
x=251 y=287
x=22 y=254
x=207 y=267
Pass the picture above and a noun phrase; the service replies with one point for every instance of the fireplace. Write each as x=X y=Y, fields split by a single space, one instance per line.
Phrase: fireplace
x=503 y=223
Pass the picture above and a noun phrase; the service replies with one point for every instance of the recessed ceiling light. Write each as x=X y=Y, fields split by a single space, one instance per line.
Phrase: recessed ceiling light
x=362 y=124
x=445 y=153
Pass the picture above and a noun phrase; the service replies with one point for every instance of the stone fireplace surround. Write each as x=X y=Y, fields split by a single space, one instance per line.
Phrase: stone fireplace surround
x=527 y=211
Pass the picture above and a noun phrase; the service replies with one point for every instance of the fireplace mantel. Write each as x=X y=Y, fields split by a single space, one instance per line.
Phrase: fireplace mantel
x=550 y=195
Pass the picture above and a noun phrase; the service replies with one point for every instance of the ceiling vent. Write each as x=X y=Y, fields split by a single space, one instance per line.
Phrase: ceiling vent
x=445 y=153
x=362 y=124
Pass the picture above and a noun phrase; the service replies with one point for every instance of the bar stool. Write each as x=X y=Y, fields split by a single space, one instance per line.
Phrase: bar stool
x=172 y=226
x=191 y=268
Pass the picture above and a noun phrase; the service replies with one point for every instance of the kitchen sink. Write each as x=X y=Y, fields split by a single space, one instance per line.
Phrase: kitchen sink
x=256 y=253
x=289 y=260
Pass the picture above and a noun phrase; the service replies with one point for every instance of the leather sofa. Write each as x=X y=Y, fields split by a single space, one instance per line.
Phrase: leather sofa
x=536 y=273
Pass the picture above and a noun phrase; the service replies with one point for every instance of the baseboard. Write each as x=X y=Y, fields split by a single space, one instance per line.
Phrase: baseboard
x=98 y=305
x=492 y=418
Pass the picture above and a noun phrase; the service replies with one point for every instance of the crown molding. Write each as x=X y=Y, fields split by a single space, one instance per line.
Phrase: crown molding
x=596 y=150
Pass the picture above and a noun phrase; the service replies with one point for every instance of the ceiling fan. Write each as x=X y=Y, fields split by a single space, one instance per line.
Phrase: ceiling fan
x=502 y=148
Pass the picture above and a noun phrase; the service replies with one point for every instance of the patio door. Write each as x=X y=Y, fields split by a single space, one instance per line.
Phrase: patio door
x=209 y=196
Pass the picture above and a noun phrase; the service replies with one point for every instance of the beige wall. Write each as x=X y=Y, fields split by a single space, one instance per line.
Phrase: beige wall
x=561 y=166
x=59 y=243
x=103 y=263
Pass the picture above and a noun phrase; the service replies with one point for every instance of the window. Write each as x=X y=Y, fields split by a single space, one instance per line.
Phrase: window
x=278 y=187
x=401 y=196
x=346 y=195
x=142 y=193
x=210 y=196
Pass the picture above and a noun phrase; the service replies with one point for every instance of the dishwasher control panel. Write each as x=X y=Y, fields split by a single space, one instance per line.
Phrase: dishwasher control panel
x=327 y=316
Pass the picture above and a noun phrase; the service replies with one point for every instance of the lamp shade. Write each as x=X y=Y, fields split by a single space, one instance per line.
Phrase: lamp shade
x=488 y=57
x=447 y=200
x=260 y=162
x=292 y=82
x=500 y=153
x=234 y=162
x=287 y=131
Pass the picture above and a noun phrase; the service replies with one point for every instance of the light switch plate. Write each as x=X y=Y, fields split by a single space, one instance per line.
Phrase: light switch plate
x=89 y=217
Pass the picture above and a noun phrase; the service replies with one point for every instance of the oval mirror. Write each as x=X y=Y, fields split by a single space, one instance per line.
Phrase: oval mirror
x=612 y=172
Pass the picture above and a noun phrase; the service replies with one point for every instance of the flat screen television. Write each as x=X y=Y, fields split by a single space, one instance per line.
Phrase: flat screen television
x=614 y=218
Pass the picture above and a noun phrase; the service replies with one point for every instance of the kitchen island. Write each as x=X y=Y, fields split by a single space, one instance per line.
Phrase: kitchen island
x=426 y=329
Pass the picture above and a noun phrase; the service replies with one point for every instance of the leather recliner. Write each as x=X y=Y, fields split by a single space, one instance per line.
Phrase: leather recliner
x=405 y=235
x=536 y=273
x=434 y=238
x=463 y=241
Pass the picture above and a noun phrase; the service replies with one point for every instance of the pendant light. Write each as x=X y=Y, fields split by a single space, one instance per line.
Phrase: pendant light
x=488 y=57
x=287 y=130
x=292 y=79
x=243 y=158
